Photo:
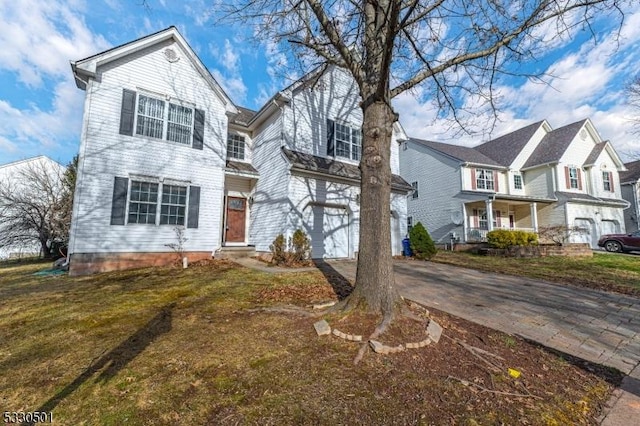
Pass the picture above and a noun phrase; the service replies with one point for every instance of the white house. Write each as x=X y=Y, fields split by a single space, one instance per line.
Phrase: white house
x=11 y=175
x=306 y=147
x=533 y=177
x=164 y=148
x=630 y=184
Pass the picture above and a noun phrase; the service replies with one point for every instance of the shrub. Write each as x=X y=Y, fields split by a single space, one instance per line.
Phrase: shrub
x=279 y=250
x=421 y=243
x=300 y=246
x=505 y=238
x=296 y=251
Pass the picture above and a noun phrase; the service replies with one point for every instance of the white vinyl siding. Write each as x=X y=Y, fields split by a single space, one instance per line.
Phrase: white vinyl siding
x=105 y=153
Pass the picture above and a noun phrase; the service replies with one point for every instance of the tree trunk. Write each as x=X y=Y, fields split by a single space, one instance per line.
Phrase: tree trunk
x=375 y=285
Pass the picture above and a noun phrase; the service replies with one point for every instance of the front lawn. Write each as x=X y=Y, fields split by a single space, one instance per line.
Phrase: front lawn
x=173 y=346
x=611 y=272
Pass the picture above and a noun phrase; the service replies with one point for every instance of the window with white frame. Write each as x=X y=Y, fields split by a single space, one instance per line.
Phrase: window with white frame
x=573 y=178
x=484 y=179
x=414 y=194
x=517 y=181
x=143 y=202
x=483 y=222
x=606 y=181
x=235 y=146
x=346 y=140
x=163 y=120
x=173 y=205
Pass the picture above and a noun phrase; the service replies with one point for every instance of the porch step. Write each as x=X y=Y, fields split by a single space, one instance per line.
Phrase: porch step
x=235 y=252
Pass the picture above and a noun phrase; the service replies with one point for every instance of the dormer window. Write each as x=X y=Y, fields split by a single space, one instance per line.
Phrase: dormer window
x=235 y=146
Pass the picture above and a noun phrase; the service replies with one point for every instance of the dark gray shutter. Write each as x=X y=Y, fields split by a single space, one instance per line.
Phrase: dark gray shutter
x=119 y=201
x=194 y=206
x=330 y=144
x=198 y=130
x=127 y=112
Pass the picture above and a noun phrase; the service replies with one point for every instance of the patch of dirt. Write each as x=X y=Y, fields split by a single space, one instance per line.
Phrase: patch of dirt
x=296 y=294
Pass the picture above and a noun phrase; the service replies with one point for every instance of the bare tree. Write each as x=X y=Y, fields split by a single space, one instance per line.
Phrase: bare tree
x=450 y=50
x=35 y=207
x=633 y=94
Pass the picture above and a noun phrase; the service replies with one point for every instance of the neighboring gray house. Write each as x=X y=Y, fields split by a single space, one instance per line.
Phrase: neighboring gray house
x=533 y=177
x=164 y=148
x=630 y=183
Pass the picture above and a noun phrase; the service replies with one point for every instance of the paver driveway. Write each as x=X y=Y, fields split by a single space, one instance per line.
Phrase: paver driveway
x=594 y=325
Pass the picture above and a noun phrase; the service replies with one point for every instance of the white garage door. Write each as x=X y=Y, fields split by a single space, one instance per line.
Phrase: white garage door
x=586 y=236
x=329 y=231
x=609 y=227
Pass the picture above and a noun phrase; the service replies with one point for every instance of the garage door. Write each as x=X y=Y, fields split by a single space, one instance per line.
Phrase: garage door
x=586 y=236
x=609 y=227
x=329 y=231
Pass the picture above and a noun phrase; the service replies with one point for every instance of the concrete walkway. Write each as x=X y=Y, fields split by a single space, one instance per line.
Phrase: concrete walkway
x=596 y=326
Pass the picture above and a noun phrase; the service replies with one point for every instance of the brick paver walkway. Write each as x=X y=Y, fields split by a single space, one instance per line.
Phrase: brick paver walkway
x=594 y=325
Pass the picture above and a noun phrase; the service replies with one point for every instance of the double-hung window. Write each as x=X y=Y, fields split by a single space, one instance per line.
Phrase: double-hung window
x=573 y=178
x=484 y=179
x=414 y=194
x=235 y=146
x=517 y=181
x=409 y=223
x=144 y=202
x=343 y=141
x=173 y=205
x=164 y=120
x=606 y=181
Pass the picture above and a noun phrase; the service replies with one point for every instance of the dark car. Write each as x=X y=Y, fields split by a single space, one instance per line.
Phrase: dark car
x=620 y=242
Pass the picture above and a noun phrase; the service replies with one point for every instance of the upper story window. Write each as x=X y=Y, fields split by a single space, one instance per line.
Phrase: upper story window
x=607 y=179
x=163 y=120
x=517 y=181
x=154 y=117
x=484 y=179
x=573 y=178
x=343 y=141
x=414 y=194
x=235 y=146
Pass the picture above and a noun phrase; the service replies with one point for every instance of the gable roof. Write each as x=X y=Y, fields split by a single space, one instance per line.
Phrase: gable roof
x=312 y=163
x=87 y=67
x=506 y=148
x=595 y=153
x=633 y=172
x=458 y=152
x=554 y=144
x=244 y=116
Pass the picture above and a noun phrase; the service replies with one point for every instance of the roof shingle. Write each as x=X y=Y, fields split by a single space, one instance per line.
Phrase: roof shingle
x=462 y=153
x=553 y=145
x=633 y=172
x=506 y=148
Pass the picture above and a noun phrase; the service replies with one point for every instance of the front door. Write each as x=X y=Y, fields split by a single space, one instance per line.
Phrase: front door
x=236 y=220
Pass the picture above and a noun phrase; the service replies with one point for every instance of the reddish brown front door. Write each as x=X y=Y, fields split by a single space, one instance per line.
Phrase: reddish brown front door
x=236 y=219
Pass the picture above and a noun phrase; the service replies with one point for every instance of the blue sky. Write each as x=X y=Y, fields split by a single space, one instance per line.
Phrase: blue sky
x=41 y=108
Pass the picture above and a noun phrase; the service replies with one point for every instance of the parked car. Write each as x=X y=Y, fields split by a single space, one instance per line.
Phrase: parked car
x=620 y=242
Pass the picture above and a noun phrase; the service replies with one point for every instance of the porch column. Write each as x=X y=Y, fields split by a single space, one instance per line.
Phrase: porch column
x=534 y=217
x=489 y=207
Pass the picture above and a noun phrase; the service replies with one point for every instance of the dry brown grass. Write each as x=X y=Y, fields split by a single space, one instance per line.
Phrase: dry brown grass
x=173 y=346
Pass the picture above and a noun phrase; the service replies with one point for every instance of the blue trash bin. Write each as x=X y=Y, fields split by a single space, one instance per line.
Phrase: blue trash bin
x=406 y=247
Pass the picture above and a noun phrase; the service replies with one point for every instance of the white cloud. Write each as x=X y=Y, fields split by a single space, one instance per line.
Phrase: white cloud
x=588 y=83
x=39 y=38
